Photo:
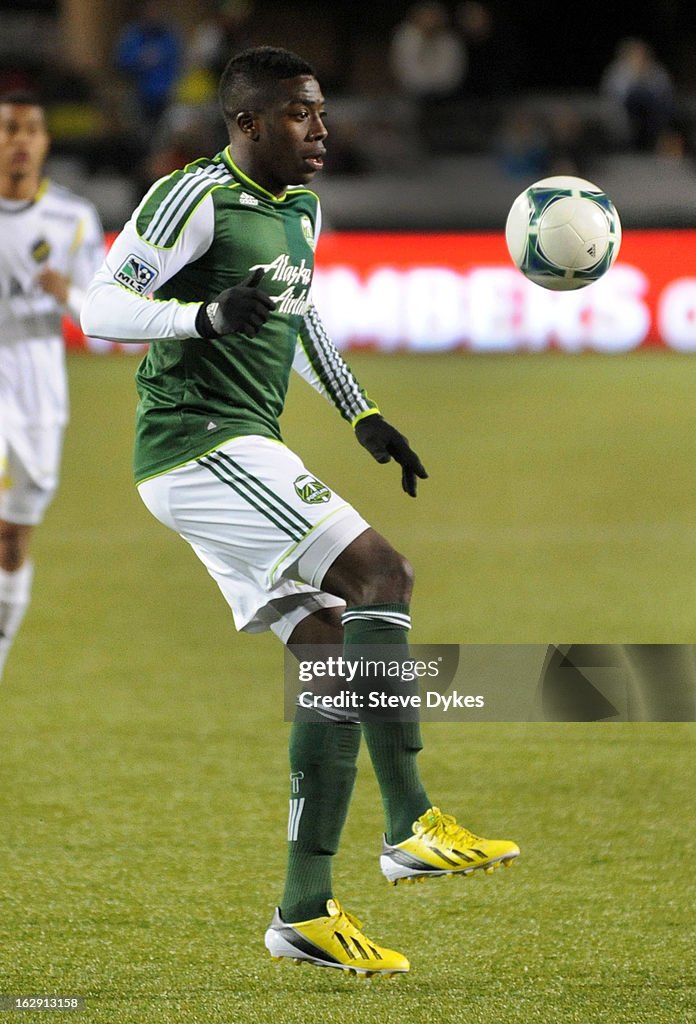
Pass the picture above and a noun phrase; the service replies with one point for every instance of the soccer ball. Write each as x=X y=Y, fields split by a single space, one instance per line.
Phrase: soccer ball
x=563 y=232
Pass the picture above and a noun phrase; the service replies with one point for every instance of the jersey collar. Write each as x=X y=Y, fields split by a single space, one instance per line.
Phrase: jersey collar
x=17 y=205
x=247 y=181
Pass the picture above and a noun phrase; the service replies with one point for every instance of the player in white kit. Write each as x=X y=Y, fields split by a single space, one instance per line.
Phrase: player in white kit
x=51 y=242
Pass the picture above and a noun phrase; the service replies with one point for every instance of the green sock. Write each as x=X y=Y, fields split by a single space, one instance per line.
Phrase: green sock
x=322 y=772
x=393 y=746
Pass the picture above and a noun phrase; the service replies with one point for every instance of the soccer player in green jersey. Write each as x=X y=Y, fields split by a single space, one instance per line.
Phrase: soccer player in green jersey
x=227 y=247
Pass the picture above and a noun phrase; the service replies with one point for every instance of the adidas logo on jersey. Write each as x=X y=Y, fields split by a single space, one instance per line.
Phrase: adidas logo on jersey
x=246 y=200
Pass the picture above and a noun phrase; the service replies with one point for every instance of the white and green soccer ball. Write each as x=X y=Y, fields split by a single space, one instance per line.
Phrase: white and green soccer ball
x=563 y=232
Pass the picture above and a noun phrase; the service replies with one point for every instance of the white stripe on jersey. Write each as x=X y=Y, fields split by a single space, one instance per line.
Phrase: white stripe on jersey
x=180 y=198
x=343 y=387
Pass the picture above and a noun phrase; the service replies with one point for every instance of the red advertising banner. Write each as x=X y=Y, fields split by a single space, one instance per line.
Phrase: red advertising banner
x=441 y=292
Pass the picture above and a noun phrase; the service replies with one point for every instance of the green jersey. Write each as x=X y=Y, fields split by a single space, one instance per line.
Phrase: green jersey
x=197 y=232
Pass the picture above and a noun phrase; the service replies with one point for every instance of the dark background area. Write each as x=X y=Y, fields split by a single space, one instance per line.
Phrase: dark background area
x=551 y=44
x=531 y=104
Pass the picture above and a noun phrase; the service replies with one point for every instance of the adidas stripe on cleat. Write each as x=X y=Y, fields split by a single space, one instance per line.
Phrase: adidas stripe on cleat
x=332 y=941
x=439 y=846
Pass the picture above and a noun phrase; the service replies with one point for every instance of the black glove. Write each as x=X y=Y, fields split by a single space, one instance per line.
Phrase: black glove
x=243 y=309
x=384 y=442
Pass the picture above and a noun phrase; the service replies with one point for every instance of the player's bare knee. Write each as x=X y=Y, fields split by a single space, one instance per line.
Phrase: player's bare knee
x=389 y=580
x=11 y=555
x=401 y=578
x=370 y=571
x=14 y=542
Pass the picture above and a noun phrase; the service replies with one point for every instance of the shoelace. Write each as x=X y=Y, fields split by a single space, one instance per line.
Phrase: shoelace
x=344 y=920
x=443 y=826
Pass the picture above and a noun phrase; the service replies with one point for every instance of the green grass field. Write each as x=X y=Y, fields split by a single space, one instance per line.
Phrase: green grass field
x=142 y=760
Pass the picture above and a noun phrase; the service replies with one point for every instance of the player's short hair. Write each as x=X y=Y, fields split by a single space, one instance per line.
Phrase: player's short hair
x=250 y=77
x=22 y=98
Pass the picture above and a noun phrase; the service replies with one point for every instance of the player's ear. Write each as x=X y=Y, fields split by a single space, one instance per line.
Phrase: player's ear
x=247 y=123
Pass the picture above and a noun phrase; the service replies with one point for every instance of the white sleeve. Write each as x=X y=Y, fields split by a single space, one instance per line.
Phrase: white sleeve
x=88 y=251
x=116 y=305
x=302 y=366
x=320 y=363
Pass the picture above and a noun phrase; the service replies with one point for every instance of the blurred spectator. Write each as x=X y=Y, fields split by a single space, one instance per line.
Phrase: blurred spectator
x=643 y=93
x=116 y=148
x=427 y=56
x=222 y=31
x=428 y=62
x=72 y=112
x=149 y=53
x=19 y=79
x=186 y=131
x=193 y=110
x=535 y=143
x=569 y=142
x=523 y=147
x=487 y=46
x=175 y=150
x=672 y=145
x=346 y=154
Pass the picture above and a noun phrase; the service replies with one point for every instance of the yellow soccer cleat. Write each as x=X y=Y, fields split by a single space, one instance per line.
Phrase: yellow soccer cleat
x=439 y=846
x=332 y=941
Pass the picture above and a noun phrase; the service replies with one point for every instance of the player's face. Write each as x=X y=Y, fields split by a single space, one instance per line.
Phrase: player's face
x=290 y=146
x=23 y=142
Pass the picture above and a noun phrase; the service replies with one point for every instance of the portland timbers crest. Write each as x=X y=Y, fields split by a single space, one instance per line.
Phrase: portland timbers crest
x=310 y=490
x=307 y=230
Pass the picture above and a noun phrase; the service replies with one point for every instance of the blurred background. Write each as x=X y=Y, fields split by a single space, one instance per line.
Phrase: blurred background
x=440 y=113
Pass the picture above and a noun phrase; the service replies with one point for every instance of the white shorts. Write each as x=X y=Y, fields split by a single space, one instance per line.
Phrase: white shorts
x=29 y=467
x=266 y=529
